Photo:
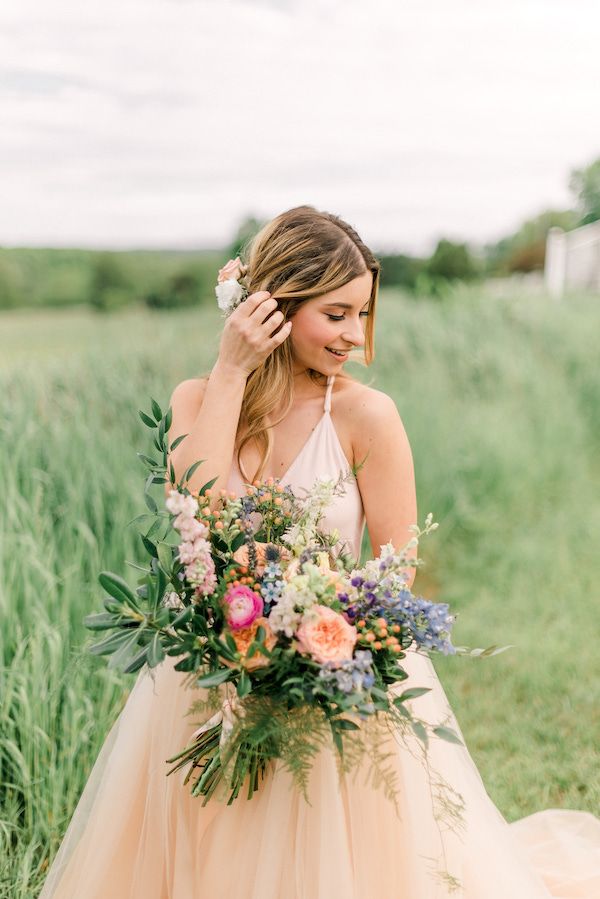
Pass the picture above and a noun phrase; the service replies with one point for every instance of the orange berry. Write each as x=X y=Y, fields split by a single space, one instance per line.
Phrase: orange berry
x=256 y=586
x=219 y=525
x=370 y=636
x=390 y=641
x=381 y=622
x=377 y=644
x=267 y=497
x=236 y=583
x=243 y=569
x=382 y=632
x=278 y=501
x=396 y=628
x=279 y=488
x=361 y=623
x=269 y=482
x=397 y=648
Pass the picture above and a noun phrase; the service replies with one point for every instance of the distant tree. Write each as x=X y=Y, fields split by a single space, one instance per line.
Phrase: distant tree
x=525 y=250
x=11 y=286
x=399 y=270
x=452 y=261
x=246 y=230
x=110 y=286
x=585 y=184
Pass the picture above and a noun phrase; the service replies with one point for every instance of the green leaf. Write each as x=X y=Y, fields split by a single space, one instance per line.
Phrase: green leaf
x=124 y=655
x=146 y=419
x=109 y=644
x=420 y=732
x=177 y=441
x=346 y=724
x=214 y=678
x=155 y=651
x=260 y=634
x=191 y=471
x=184 y=616
x=412 y=693
x=117 y=587
x=168 y=419
x=100 y=622
x=165 y=556
x=156 y=410
x=171 y=472
x=150 y=547
x=151 y=463
x=208 y=484
x=337 y=739
x=136 y=662
x=150 y=502
x=244 y=684
x=446 y=733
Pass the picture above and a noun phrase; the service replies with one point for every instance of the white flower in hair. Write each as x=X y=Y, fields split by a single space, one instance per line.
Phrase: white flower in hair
x=229 y=291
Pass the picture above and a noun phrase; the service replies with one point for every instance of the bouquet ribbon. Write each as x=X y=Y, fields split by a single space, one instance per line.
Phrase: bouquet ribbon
x=225 y=717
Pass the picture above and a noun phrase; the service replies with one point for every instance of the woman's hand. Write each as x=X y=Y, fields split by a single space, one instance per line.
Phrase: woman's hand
x=248 y=335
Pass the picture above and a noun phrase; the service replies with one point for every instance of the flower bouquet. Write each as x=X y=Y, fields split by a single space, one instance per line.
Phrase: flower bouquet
x=293 y=644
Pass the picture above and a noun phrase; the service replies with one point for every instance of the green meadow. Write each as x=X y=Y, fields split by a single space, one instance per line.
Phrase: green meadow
x=500 y=397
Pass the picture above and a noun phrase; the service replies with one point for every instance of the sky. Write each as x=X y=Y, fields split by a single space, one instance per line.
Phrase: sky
x=163 y=123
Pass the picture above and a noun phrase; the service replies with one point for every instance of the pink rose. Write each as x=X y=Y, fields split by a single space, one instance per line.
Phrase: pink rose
x=232 y=270
x=242 y=606
x=326 y=635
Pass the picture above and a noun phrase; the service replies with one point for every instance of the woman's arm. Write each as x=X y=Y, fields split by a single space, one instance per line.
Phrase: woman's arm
x=208 y=411
x=386 y=480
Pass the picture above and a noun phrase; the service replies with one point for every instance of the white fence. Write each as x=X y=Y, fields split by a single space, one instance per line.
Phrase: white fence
x=573 y=259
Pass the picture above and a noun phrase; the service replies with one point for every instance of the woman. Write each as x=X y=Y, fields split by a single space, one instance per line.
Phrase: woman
x=278 y=404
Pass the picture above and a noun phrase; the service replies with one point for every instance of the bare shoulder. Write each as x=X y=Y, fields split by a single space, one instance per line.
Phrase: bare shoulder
x=368 y=412
x=189 y=393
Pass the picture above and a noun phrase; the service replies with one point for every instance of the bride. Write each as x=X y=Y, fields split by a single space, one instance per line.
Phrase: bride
x=278 y=403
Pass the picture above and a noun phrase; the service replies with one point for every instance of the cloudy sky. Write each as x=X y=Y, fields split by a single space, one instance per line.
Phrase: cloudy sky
x=161 y=123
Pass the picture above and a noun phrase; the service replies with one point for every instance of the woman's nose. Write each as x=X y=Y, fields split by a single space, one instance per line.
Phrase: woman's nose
x=355 y=334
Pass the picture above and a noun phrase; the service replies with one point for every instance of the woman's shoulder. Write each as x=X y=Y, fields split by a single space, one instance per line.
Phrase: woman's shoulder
x=364 y=403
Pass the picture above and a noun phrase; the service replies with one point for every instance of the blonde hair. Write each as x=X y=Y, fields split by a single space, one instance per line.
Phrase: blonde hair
x=301 y=254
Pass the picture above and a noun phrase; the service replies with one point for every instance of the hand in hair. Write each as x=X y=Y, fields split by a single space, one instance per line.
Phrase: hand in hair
x=252 y=332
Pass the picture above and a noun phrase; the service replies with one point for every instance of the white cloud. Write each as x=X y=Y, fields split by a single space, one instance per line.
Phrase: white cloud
x=136 y=123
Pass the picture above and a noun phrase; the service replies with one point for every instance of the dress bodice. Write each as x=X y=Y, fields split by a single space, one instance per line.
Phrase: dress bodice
x=322 y=456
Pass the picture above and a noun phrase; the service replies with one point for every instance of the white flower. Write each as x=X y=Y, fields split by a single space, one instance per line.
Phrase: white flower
x=177 y=503
x=229 y=293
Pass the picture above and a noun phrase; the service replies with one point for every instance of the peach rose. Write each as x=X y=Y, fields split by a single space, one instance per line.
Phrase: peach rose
x=232 y=270
x=245 y=636
x=326 y=635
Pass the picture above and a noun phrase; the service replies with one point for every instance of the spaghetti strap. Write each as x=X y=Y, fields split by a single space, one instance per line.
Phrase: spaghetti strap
x=327 y=406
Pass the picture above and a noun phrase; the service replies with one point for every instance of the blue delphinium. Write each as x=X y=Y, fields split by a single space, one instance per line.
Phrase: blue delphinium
x=352 y=676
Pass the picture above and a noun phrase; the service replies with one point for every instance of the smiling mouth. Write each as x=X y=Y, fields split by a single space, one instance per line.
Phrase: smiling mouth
x=339 y=353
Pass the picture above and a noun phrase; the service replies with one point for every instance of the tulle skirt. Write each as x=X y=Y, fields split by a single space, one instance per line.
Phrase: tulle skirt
x=138 y=834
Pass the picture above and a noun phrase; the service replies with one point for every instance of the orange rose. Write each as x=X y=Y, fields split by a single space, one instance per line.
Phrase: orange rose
x=245 y=636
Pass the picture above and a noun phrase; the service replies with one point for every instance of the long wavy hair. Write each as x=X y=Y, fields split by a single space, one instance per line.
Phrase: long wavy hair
x=301 y=254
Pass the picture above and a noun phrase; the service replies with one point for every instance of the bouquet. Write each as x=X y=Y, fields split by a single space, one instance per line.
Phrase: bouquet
x=293 y=644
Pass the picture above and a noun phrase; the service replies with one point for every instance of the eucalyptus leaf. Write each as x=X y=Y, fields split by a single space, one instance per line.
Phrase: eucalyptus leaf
x=215 y=678
x=156 y=410
x=446 y=733
x=412 y=693
x=146 y=419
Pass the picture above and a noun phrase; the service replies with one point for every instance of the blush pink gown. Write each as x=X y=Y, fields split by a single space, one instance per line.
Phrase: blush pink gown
x=137 y=834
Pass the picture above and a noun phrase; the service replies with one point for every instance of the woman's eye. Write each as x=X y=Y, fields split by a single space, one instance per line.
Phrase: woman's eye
x=338 y=318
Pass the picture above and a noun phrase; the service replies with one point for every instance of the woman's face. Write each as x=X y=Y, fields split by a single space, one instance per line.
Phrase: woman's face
x=333 y=321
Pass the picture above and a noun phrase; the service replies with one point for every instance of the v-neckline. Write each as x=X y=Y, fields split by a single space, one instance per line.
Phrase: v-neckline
x=306 y=443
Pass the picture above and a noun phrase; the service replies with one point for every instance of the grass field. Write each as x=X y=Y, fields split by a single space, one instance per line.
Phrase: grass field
x=501 y=401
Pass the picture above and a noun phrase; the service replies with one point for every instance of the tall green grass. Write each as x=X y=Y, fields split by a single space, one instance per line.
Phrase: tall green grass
x=501 y=402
